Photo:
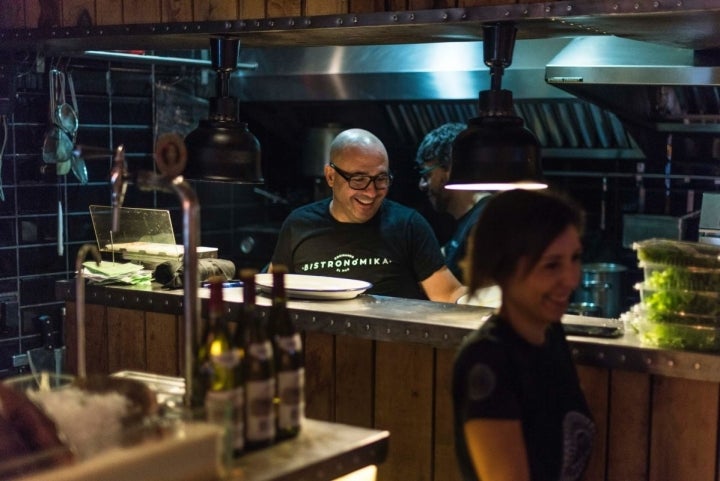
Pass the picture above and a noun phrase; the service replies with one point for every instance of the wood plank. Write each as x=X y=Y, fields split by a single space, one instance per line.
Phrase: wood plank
x=126 y=339
x=13 y=14
x=109 y=12
x=445 y=466
x=326 y=7
x=367 y=6
x=319 y=375
x=354 y=368
x=396 y=5
x=251 y=9
x=684 y=418
x=162 y=341
x=480 y=3
x=45 y=14
x=595 y=383
x=141 y=11
x=176 y=10
x=629 y=425
x=204 y=10
x=96 y=339
x=78 y=13
x=283 y=8
x=404 y=406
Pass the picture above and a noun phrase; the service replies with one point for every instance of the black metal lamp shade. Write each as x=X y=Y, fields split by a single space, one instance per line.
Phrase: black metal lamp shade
x=496 y=151
x=223 y=148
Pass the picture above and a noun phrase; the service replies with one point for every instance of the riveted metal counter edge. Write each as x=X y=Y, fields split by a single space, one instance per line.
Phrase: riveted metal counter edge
x=626 y=353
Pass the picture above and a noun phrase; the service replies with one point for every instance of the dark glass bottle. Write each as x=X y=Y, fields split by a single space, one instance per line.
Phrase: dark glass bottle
x=259 y=371
x=289 y=361
x=217 y=363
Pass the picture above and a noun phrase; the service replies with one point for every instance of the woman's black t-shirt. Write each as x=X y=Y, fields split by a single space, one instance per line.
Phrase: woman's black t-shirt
x=499 y=375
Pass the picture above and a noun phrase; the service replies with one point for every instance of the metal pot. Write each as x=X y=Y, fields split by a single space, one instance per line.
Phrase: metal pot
x=601 y=286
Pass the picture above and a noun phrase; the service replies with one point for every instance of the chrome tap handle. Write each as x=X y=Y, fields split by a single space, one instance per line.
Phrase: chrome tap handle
x=118 y=184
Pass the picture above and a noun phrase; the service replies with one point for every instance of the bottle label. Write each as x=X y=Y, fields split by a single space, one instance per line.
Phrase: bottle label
x=219 y=407
x=261 y=350
x=291 y=392
x=260 y=420
x=289 y=343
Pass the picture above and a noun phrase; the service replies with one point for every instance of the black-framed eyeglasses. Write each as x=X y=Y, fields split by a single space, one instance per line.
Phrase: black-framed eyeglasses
x=362 y=181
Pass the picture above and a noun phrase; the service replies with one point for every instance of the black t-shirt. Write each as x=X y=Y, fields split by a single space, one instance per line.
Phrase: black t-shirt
x=454 y=249
x=394 y=250
x=499 y=375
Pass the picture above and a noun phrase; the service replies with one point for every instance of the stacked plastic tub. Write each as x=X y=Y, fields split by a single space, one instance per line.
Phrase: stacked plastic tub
x=680 y=295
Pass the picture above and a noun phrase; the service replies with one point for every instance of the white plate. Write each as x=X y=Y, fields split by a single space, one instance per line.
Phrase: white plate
x=315 y=287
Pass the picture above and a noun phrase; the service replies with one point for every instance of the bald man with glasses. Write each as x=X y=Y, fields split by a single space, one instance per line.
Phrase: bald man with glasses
x=358 y=233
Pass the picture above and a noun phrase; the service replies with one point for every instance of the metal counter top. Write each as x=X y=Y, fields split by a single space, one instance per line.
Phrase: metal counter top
x=437 y=324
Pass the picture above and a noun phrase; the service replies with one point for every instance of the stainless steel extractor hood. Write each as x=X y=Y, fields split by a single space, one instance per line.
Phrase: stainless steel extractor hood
x=643 y=83
x=423 y=85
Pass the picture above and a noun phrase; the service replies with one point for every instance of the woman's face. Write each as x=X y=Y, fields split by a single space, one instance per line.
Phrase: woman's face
x=541 y=294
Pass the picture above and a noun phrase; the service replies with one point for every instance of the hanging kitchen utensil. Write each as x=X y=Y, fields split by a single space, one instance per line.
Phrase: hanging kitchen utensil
x=60 y=138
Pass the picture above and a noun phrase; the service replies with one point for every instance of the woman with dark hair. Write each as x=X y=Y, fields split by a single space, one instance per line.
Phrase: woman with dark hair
x=520 y=414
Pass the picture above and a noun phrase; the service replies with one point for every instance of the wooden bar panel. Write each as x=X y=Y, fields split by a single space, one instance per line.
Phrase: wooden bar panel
x=595 y=384
x=176 y=10
x=96 y=342
x=162 y=343
x=251 y=9
x=109 y=12
x=141 y=11
x=628 y=446
x=319 y=376
x=367 y=6
x=13 y=14
x=78 y=13
x=404 y=406
x=354 y=392
x=126 y=339
x=204 y=10
x=45 y=14
x=284 y=8
x=445 y=467
x=427 y=4
x=325 y=7
x=683 y=440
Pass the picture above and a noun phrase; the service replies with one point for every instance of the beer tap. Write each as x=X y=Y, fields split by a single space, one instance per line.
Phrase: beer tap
x=170 y=160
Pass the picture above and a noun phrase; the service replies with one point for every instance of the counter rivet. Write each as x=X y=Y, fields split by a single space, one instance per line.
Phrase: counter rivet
x=271 y=23
x=679 y=4
x=525 y=11
x=445 y=337
x=575 y=351
x=648 y=360
x=308 y=22
x=137 y=300
x=150 y=301
x=426 y=334
x=507 y=13
x=616 y=6
x=636 y=6
x=348 y=324
x=313 y=320
x=547 y=9
x=367 y=327
x=569 y=8
x=656 y=4
x=601 y=355
x=407 y=332
x=412 y=16
x=332 y=322
x=291 y=22
x=622 y=358
x=444 y=16
x=394 y=18
x=355 y=20
x=696 y=366
x=339 y=21
x=671 y=363
x=387 y=330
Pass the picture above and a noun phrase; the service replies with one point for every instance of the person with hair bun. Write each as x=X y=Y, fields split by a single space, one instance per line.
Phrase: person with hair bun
x=520 y=414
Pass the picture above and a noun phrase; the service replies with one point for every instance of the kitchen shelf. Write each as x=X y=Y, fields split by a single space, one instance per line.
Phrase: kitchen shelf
x=686 y=23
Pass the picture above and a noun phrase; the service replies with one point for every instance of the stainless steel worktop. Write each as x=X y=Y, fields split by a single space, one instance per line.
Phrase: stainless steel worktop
x=405 y=320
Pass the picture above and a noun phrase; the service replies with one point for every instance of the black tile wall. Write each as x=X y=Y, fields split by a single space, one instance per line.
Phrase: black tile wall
x=115 y=106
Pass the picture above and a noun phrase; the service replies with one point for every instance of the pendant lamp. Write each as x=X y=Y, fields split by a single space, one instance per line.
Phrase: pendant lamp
x=223 y=148
x=496 y=151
